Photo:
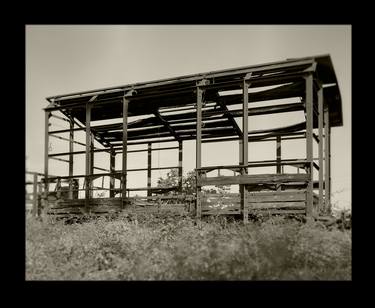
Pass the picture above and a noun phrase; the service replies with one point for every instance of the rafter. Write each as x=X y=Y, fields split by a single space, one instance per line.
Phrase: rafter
x=167 y=125
x=230 y=117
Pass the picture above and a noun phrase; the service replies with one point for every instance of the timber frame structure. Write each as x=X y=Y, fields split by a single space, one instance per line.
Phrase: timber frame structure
x=191 y=108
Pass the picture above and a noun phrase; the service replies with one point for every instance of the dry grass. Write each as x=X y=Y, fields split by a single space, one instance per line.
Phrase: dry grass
x=150 y=248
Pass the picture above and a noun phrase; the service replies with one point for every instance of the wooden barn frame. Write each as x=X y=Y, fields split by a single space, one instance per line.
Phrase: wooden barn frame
x=191 y=108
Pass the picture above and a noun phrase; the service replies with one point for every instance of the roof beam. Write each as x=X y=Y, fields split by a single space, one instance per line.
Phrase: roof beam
x=230 y=117
x=167 y=126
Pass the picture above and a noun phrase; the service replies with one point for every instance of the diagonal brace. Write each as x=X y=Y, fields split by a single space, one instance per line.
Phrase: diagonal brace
x=167 y=125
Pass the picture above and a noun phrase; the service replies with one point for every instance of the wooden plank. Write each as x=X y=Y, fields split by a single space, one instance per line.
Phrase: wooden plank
x=198 y=150
x=167 y=125
x=276 y=205
x=92 y=162
x=35 y=195
x=327 y=156
x=253 y=179
x=309 y=143
x=125 y=104
x=71 y=150
x=88 y=179
x=149 y=166
x=320 y=127
x=46 y=147
x=93 y=202
x=274 y=211
x=221 y=212
x=277 y=196
x=180 y=166
x=278 y=154
x=245 y=146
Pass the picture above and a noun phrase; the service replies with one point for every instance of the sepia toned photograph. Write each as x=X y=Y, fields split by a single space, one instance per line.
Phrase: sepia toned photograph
x=188 y=152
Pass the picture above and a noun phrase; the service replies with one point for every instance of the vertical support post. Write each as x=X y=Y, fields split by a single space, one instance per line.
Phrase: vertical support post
x=245 y=148
x=149 y=165
x=309 y=144
x=40 y=190
x=46 y=146
x=180 y=166
x=327 y=157
x=124 y=147
x=71 y=149
x=278 y=154
x=240 y=143
x=88 y=156
x=35 y=195
x=198 y=151
x=320 y=127
x=112 y=163
x=92 y=162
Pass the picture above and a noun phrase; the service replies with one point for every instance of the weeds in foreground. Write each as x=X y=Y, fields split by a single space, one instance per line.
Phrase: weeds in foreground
x=150 y=248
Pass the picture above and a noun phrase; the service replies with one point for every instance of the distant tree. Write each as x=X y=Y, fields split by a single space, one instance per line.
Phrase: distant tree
x=188 y=183
x=171 y=179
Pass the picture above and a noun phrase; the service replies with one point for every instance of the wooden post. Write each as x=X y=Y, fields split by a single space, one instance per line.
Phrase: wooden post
x=71 y=150
x=278 y=154
x=245 y=147
x=40 y=190
x=112 y=170
x=309 y=144
x=35 y=195
x=327 y=157
x=180 y=166
x=320 y=127
x=92 y=162
x=149 y=165
x=125 y=106
x=198 y=152
x=88 y=156
x=46 y=147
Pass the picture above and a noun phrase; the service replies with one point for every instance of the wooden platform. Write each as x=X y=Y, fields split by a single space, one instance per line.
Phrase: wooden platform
x=104 y=206
x=258 y=202
x=268 y=202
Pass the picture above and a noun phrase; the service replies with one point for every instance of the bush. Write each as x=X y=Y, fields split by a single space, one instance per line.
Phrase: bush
x=167 y=248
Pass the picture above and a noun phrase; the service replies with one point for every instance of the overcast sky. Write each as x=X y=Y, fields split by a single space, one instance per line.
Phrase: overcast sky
x=65 y=59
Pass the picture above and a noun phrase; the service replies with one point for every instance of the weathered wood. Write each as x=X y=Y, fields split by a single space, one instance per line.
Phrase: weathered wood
x=279 y=196
x=46 y=147
x=327 y=157
x=278 y=154
x=180 y=166
x=276 y=205
x=309 y=143
x=125 y=104
x=88 y=179
x=245 y=146
x=166 y=125
x=198 y=147
x=320 y=127
x=93 y=202
x=60 y=159
x=71 y=150
x=276 y=211
x=149 y=166
x=254 y=179
x=35 y=195
x=92 y=163
x=112 y=167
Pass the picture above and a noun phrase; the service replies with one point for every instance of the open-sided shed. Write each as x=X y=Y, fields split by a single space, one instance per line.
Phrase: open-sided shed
x=192 y=108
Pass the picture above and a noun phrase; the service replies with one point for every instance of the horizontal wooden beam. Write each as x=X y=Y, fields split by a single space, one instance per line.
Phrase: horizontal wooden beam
x=253 y=179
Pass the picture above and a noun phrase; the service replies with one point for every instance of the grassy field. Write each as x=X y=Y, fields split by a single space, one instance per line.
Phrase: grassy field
x=149 y=248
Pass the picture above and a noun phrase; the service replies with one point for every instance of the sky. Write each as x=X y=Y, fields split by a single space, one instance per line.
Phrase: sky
x=62 y=59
